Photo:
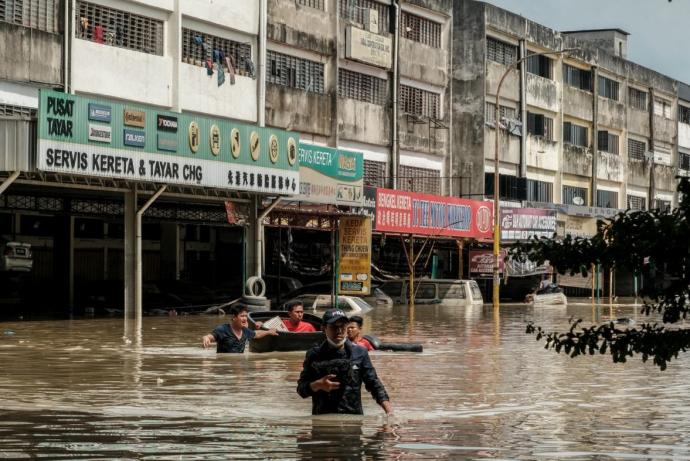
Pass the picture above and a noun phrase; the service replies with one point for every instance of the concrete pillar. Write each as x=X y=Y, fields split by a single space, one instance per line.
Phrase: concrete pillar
x=252 y=263
x=130 y=260
x=63 y=257
x=523 y=111
x=170 y=251
x=595 y=133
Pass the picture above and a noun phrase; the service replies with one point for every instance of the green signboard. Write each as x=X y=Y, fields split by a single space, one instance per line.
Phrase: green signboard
x=85 y=136
x=332 y=176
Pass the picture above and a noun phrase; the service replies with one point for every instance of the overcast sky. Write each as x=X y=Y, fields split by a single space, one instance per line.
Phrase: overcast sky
x=658 y=29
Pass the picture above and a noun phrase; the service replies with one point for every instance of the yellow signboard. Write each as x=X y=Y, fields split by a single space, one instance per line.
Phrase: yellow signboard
x=354 y=256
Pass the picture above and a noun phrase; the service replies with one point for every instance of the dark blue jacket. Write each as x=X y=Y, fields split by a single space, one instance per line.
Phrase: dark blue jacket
x=354 y=367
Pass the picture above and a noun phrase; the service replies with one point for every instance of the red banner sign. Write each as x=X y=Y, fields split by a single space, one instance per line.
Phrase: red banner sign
x=482 y=261
x=426 y=214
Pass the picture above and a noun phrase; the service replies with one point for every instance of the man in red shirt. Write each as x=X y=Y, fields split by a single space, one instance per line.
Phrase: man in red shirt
x=295 y=324
x=354 y=333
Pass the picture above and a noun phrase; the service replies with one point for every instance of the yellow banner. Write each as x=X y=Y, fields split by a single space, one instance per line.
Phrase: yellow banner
x=354 y=251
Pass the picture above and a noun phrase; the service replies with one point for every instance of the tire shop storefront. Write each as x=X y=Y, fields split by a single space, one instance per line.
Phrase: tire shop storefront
x=132 y=202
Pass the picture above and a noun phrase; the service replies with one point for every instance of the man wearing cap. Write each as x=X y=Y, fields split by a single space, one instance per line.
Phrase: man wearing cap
x=334 y=371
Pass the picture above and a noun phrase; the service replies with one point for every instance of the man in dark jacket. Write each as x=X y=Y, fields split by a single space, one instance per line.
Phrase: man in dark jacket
x=334 y=371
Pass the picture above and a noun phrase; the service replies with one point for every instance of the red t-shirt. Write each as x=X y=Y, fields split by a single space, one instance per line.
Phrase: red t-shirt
x=302 y=327
x=365 y=344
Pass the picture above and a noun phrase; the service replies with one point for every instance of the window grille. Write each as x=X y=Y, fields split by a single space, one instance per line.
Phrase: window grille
x=35 y=14
x=636 y=149
x=539 y=191
x=375 y=173
x=123 y=29
x=318 y=4
x=575 y=134
x=662 y=205
x=607 y=199
x=683 y=161
x=10 y=111
x=539 y=125
x=504 y=112
x=662 y=108
x=357 y=11
x=419 y=102
x=638 y=98
x=608 y=142
x=578 y=78
x=574 y=195
x=539 y=65
x=636 y=203
x=362 y=87
x=500 y=52
x=415 y=179
x=608 y=88
x=196 y=54
x=420 y=29
x=683 y=114
x=509 y=187
x=294 y=72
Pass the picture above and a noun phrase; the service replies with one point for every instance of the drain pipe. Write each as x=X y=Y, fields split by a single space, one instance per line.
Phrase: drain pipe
x=139 y=269
x=8 y=182
x=260 y=235
x=261 y=65
x=395 y=157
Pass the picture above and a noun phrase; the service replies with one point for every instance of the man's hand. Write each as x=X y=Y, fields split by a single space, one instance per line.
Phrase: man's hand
x=207 y=340
x=273 y=332
x=258 y=324
x=325 y=384
x=387 y=407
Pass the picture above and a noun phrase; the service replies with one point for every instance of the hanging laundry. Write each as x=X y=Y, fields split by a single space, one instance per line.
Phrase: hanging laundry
x=216 y=55
x=231 y=69
x=198 y=39
x=221 y=74
x=209 y=67
x=249 y=67
x=98 y=34
x=83 y=26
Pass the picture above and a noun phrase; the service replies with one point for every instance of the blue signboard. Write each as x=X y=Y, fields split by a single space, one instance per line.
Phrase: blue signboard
x=136 y=138
x=99 y=112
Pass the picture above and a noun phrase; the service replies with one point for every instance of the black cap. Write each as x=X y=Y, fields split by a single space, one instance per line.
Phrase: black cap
x=333 y=315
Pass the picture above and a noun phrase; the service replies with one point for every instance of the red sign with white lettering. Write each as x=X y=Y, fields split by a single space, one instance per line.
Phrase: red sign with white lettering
x=482 y=261
x=426 y=214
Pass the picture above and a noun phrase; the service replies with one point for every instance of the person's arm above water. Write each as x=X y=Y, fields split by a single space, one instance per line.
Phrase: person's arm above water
x=374 y=385
x=258 y=334
x=211 y=338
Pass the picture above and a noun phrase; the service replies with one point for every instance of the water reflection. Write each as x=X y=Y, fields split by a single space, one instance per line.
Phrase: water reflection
x=480 y=389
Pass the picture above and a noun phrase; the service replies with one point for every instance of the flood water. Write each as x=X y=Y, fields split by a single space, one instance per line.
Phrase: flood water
x=482 y=389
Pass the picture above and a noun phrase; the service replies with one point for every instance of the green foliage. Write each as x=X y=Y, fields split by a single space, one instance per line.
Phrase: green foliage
x=654 y=243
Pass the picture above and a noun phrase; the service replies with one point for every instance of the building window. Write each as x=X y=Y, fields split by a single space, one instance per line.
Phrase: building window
x=607 y=199
x=683 y=114
x=608 y=142
x=540 y=125
x=422 y=30
x=575 y=134
x=683 y=161
x=35 y=14
x=636 y=149
x=574 y=195
x=500 y=52
x=504 y=112
x=415 y=179
x=577 y=78
x=419 y=102
x=539 y=191
x=17 y=112
x=375 y=173
x=358 y=11
x=539 y=65
x=362 y=87
x=636 y=203
x=662 y=108
x=608 y=88
x=294 y=72
x=509 y=187
x=662 y=205
x=318 y=4
x=119 y=28
x=638 y=98
x=198 y=47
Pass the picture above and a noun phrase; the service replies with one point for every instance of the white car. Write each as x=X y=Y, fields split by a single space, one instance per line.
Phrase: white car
x=320 y=303
x=15 y=256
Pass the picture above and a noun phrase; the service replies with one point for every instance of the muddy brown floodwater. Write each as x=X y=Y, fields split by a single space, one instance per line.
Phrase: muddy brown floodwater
x=481 y=389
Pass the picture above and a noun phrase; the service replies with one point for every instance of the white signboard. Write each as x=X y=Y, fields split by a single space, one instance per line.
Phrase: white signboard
x=370 y=48
x=100 y=133
x=62 y=157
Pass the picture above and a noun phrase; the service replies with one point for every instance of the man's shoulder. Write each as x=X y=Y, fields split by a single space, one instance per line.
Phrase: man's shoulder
x=223 y=328
x=357 y=351
x=314 y=351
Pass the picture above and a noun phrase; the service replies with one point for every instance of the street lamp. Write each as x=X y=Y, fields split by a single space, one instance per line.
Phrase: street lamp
x=497 y=230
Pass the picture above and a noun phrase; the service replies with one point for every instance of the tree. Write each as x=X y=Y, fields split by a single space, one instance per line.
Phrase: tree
x=654 y=243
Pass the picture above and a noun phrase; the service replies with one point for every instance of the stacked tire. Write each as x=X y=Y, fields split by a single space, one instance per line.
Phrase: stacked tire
x=254 y=295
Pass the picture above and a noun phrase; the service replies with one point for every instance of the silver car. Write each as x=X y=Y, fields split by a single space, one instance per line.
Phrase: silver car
x=16 y=256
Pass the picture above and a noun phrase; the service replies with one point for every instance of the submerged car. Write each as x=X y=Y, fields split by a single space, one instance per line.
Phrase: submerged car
x=547 y=296
x=320 y=303
x=377 y=298
x=446 y=292
x=16 y=256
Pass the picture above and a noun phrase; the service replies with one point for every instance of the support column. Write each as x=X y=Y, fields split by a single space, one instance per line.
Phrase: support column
x=170 y=251
x=252 y=243
x=523 y=111
x=63 y=258
x=130 y=261
x=652 y=185
x=595 y=134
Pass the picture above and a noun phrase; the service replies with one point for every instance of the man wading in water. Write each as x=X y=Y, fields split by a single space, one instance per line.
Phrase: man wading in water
x=233 y=336
x=334 y=371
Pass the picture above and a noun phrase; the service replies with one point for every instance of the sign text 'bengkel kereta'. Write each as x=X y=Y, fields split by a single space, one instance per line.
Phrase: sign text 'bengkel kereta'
x=78 y=135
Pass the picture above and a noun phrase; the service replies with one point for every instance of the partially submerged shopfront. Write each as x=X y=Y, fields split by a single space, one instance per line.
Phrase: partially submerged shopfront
x=124 y=198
